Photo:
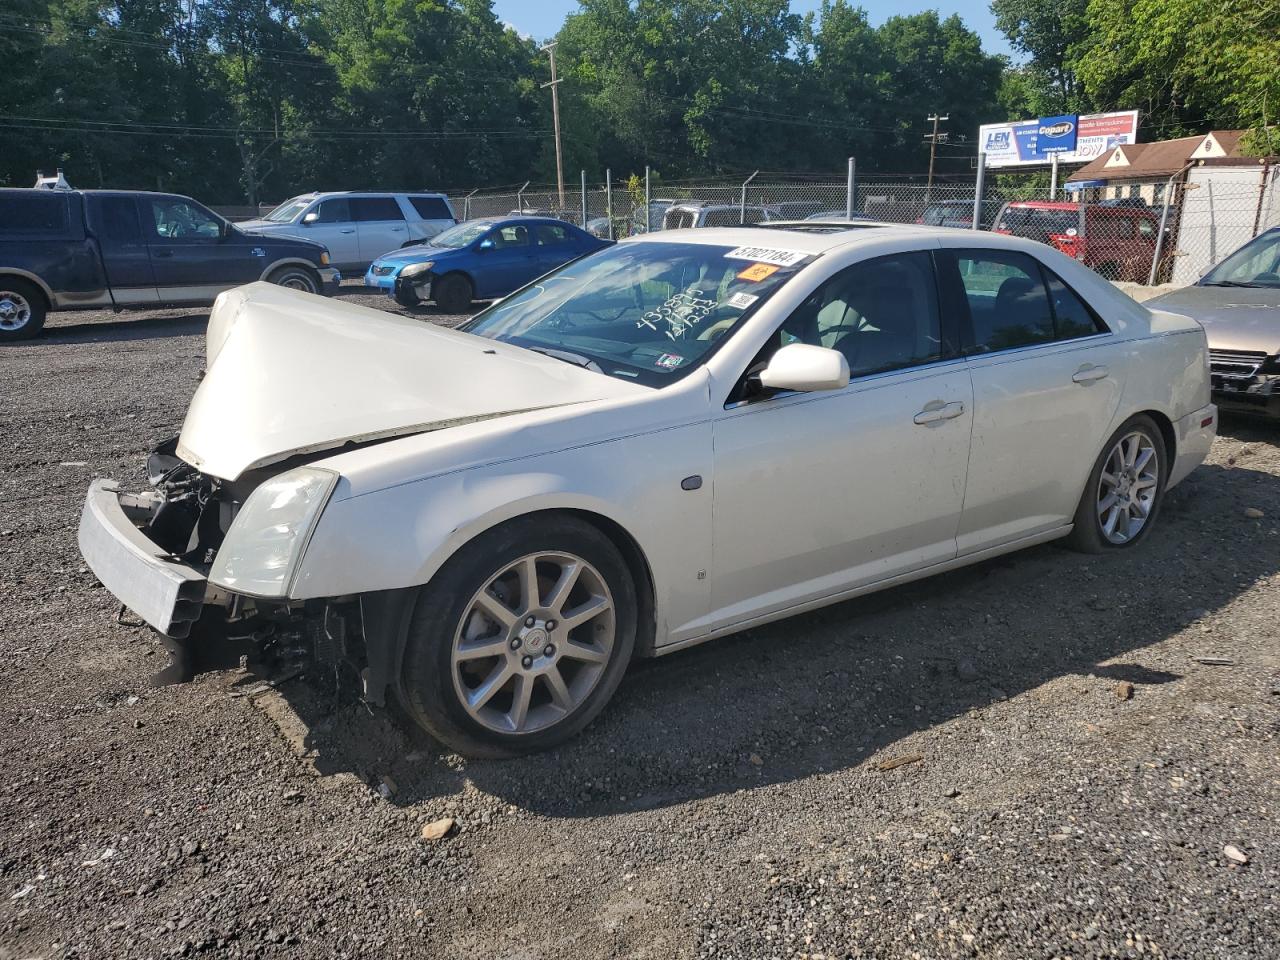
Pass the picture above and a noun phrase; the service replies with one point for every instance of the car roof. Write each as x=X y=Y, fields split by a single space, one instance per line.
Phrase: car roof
x=806 y=236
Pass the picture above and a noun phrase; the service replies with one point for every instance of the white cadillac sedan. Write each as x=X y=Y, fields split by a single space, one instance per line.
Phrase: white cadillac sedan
x=676 y=438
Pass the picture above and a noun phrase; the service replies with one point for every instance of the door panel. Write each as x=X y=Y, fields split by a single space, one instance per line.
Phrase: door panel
x=380 y=226
x=509 y=264
x=820 y=493
x=116 y=225
x=1040 y=418
x=189 y=258
x=335 y=227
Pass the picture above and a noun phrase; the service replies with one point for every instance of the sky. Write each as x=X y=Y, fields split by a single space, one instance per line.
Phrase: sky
x=542 y=18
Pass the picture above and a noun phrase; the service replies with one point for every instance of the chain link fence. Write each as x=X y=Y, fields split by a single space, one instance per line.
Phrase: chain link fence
x=1148 y=232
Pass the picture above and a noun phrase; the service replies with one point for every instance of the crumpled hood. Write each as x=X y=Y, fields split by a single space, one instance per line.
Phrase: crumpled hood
x=291 y=373
x=1234 y=318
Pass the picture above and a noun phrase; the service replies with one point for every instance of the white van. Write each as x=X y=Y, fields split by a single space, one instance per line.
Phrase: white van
x=358 y=227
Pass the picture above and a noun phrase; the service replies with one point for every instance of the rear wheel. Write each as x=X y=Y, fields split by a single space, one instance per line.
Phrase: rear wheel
x=22 y=309
x=1125 y=488
x=452 y=293
x=521 y=639
x=296 y=278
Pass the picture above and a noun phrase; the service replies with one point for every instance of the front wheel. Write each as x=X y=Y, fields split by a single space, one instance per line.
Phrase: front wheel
x=521 y=638
x=296 y=278
x=1125 y=489
x=452 y=293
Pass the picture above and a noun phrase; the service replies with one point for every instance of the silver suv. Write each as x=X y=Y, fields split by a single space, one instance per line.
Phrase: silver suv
x=358 y=227
x=696 y=214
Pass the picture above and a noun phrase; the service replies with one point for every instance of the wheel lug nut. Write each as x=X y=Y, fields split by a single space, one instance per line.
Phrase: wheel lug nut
x=551 y=624
x=515 y=643
x=549 y=650
x=529 y=621
x=527 y=662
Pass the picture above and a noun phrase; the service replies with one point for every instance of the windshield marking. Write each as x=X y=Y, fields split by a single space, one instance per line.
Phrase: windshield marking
x=778 y=257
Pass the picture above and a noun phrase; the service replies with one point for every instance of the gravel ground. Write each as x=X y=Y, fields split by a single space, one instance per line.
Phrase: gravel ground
x=1024 y=759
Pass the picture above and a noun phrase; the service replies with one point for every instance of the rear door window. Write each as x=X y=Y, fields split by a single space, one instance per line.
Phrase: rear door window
x=1007 y=300
x=550 y=235
x=431 y=208
x=116 y=220
x=368 y=209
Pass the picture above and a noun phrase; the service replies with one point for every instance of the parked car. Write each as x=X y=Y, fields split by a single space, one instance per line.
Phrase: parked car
x=675 y=438
x=649 y=220
x=958 y=213
x=478 y=260
x=75 y=249
x=1238 y=303
x=358 y=227
x=681 y=216
x=796 y=209
x=1117 y=242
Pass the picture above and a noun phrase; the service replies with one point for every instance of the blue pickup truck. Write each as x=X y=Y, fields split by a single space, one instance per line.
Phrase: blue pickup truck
x=78 y=249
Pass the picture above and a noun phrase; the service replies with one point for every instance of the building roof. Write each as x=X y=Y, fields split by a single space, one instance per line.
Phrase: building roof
x=1162 y=159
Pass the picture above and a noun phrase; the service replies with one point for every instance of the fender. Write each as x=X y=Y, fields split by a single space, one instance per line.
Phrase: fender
x=32 y=278
x=288 y=262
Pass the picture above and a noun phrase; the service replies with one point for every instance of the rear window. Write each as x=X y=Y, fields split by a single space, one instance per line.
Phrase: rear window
x=1035 y=224
x=431 y=208
x=41 y=213
x=376 y=208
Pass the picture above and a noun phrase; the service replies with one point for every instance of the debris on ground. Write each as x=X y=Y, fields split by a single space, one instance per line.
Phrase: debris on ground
x=895 y=762
x=438 y=829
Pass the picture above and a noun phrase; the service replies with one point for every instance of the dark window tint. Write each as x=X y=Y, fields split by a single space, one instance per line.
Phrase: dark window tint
x=116 y=219
x=1008 y=304
x=550 y=235
x=881 y=314
x=512 y=235
x=334 y=211
x=431 y=208
x=36 y=213
x=1072 y=318
x=376 y=208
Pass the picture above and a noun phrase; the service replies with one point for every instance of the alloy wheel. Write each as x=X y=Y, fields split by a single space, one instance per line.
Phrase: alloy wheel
x=1127 y=487
x=15 y=311
x=533 y=643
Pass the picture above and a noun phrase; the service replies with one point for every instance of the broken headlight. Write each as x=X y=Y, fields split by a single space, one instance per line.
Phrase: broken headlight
x=417 y=269
x=261 y=551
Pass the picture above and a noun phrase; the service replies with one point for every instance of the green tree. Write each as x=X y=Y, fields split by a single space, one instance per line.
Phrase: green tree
x=1053 y=34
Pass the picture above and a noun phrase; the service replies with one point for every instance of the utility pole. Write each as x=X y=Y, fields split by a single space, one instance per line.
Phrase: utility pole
x=933 y=139
x=550 y=49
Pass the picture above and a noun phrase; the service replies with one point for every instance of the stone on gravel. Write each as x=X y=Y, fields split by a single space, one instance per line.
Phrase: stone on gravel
x=895 y=762
x=1235 y=854
x=438 y=829
x=756 y=760
x=1253 y=513
x=1124 y=690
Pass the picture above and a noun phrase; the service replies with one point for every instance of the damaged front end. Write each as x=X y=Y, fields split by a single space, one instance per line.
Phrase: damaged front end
x=217 y=592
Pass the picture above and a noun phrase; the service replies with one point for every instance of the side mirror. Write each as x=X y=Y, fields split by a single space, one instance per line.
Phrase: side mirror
x=310 y=218
x=484 y=246
x=806 y=368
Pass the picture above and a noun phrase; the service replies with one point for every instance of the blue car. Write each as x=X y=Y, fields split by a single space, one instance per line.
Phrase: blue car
x=478 y=260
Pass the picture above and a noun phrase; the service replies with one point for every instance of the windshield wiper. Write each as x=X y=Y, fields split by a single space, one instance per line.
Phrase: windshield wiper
x=577 y=359
x=1233 y=283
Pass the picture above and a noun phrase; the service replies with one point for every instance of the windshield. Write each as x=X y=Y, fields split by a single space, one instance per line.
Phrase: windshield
x=648 y=312
x=288 y=211
x=1256 y=264
x=461 y=235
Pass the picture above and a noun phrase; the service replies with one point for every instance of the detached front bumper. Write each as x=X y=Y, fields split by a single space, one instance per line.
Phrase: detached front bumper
x=166 y=593
x=417 y=286
x=330 y=280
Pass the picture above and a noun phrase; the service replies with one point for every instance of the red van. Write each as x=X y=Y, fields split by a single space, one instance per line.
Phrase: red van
x=1116 y=241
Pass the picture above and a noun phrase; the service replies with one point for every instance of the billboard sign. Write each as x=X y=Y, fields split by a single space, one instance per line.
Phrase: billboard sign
x=1074 y=139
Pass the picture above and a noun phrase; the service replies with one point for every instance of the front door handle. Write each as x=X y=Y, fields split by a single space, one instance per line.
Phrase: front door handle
x=936 y=411
x=164 y=253
x=397 y=229
x=1088 y=374
x=352 y=230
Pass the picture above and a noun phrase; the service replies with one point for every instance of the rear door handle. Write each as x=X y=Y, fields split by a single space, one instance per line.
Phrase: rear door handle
x=164 y=253
x=397 y=229
x=352 y=230
x=1089 y=374
x=936 y=411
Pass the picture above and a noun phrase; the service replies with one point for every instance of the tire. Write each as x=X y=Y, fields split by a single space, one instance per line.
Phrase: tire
x=295 y=278
x=1100 y=529
x=452 y=293
x=405 y=296
x=463 y=675
x=22 y=309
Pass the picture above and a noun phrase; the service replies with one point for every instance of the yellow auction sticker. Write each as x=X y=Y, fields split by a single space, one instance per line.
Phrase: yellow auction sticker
x=758 y=271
